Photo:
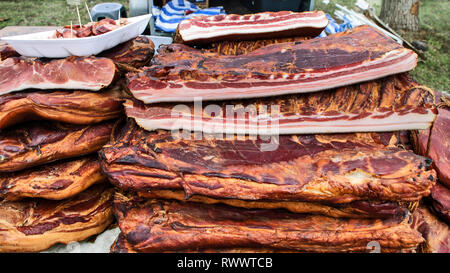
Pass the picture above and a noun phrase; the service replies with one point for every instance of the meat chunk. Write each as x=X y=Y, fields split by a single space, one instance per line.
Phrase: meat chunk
x=357 y=55
x=34 y=225
x=440 y=202
x=437 y=146
x=56 y=181
x=205 y=29
x=356 y=209
x=135 y=53
x=435 y=232
x=389 y=104
x=31 y=144
x=314 y=168
x=87 y=73
x=76 y=107
x=154 y=226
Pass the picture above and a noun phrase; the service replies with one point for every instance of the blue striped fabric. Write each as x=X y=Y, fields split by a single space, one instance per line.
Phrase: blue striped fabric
x=174 y=12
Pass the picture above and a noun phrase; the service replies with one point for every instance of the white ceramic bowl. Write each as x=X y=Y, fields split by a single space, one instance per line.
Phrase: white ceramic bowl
x=40 y=45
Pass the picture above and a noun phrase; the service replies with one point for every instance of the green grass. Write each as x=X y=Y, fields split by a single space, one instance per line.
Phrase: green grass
x=434 y=20
x=435 y=31
x=45 y=12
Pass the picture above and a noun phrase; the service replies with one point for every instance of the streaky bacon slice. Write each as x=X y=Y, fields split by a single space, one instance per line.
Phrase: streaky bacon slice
x=388 y=104
x=184 y=74
x=335 y=168
x=32 y=144
x=34 y=225
x=87 y=73
x=436 y=144
x=154 y=226
x=76 y=107
x=55 y=181
x=435 y=232
x=205 y=29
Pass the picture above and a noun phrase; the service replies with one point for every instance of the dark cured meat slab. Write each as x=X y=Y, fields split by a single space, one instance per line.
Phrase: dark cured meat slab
x=315 y=168
x=56 y=181
x=136 y=53
x=122 y=246
x=184 y=73
x=76 y=107
x=34 y=225
x=155 y=226
x=440 y=202
x=435 y=232
x=389 y=104
x=356 y=209
x=7 y=51
x=36 y=143
x=264 y=25
x=438 y=147
x=244 y=47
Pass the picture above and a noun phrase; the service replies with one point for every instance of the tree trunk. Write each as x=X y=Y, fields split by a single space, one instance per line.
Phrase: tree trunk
x=401 y=15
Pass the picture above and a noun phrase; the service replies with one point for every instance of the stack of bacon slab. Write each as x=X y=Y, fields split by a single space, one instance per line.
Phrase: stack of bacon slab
x=54 y=116
x=433 y=216
x=332 y=170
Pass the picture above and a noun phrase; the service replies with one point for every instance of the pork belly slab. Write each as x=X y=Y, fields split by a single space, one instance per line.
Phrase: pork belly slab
x=56 y=181
x=206 y=29
x=135 y=53
x=435 y=142
x=86 y=73
x=155 y=226
x=121 y=245
x=392 y=103
x=356 y=209
x=76 y=107
x=31 y=144
x=435 y=232
x=440 y=202
x=184 y=73
x=36 y=224
x=314 y=168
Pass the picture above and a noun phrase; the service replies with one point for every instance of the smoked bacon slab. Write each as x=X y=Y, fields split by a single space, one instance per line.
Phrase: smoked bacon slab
x=389 y=104
x=56 y=181
x=76 y=107
x=205 y=29
x=435 y=232
x=36 y=224
x=86 y=73
x=185 y=74
x=155 y=226
x=315 y=168
x=31 y=144
x=435 y=142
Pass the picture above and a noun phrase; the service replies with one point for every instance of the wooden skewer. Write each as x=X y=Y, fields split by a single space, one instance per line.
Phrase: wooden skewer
x=119 y=17
x=79 y=18
x=71 y=31
x=90 y=17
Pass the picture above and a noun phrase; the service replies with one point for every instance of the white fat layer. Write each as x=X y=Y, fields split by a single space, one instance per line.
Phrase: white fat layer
x=185 y=94
x=358 y=177
x=195 y=32
x=411 y=121
x=48 y=85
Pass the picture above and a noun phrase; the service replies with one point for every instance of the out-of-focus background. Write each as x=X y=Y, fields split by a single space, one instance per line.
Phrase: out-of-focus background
x=434 y=26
